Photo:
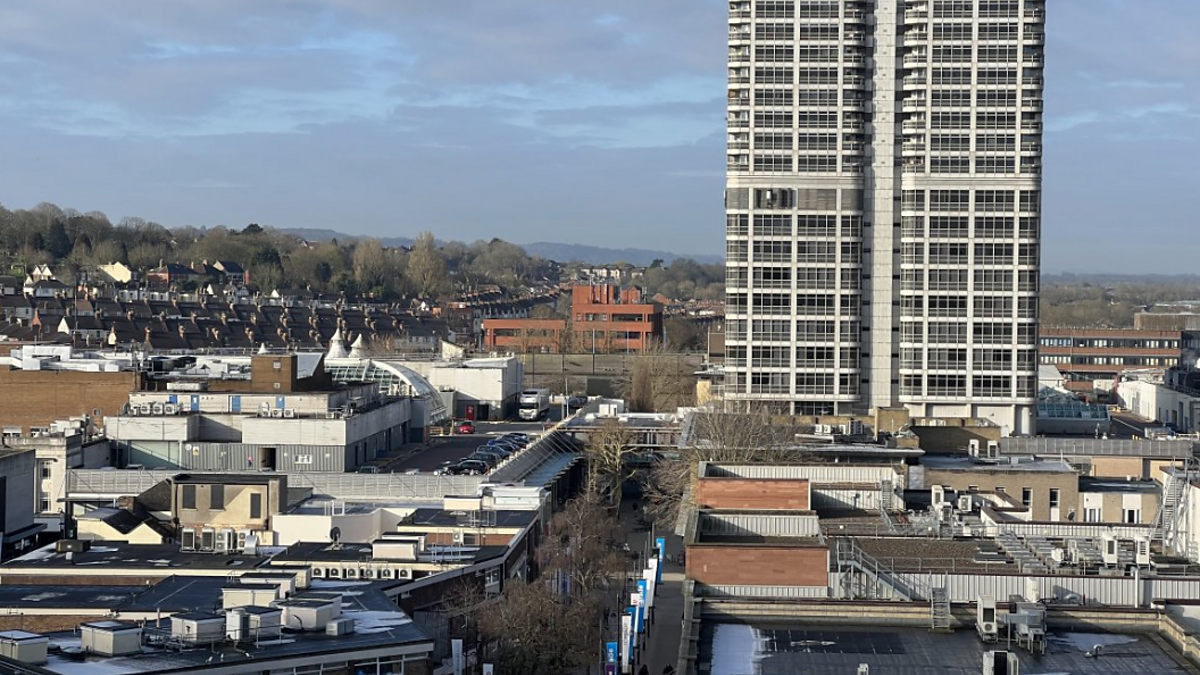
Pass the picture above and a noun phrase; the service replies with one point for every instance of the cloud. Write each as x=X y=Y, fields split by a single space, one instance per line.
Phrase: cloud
x=601 y=122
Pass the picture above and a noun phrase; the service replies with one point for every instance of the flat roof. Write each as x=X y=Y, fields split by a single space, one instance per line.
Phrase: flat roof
x=125 y=556
x=1111 y=485
x=507 y=518
x=754 y=647
x=379 y=624
x=959 y=463
x=305 y=551
x=321 y=505
x=64 y=596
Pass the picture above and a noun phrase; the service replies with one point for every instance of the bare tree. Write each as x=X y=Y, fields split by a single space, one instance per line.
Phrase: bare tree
x=583 y=549
x=658 y=381
x=552 y=625
x=533 y=629
x=714 y=435
x=606 y=450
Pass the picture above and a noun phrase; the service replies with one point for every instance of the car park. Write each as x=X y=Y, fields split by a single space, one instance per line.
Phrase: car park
x=468 y=467
x=498 y=453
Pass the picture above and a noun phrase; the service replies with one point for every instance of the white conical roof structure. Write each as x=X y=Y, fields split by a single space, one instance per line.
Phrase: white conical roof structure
x=337 y=347
x=262 y=349
x=358 y=349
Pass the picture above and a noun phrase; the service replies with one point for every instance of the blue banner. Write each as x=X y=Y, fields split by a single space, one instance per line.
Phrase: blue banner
x=610 y=652
x=661 y=543
x=641 y=609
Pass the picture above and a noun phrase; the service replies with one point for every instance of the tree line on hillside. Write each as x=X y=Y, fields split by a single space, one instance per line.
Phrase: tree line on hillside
x=1108 y=303
x=71 y=242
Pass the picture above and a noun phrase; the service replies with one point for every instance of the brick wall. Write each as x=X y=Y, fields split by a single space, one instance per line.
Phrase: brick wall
x=758 y=565
x=16 y=578
x=791 y=494
x=39 y=397
x=44 y=624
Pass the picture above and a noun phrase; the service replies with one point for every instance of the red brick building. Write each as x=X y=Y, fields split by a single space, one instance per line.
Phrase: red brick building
x=755 y=532
x=603 y=319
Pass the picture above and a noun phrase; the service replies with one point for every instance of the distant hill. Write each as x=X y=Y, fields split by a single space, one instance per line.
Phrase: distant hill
x=593 y=255
x=597 y=255
x=314 y=234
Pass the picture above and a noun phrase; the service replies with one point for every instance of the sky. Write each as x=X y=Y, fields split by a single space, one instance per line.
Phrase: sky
x=587 y=122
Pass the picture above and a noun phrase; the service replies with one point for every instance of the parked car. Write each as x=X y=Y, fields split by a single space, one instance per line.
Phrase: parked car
x=508 y=448
x=517 y=436
x=466 y=427
x=468 y=467
x=576 y=402
x=490 y=460
x=496 y=450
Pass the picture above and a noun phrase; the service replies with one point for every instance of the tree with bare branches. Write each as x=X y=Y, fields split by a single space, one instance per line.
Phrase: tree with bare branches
x=606 y=450
x=658 y=381
x=713 y=435
x=552 y=625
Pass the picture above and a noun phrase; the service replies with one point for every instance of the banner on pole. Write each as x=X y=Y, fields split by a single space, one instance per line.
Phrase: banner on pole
x=456 y=656
x=661 y=543
x=651 y=587
x=626 y=643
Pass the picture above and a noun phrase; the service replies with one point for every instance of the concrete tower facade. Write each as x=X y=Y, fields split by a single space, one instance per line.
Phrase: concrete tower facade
x=883 y=206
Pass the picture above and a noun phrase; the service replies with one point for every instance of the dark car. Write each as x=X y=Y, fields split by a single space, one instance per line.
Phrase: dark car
x=517 y=436
x=576 y=402
x=468 y=467
x=494 y=450
x=507 y=442
x=485 y=457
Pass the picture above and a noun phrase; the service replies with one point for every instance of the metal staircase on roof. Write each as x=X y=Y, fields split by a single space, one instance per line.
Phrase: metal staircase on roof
x=939 y=610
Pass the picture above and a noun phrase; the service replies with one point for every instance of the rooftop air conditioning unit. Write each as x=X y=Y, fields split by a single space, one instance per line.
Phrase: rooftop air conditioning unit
x=158 y=408
x=171 y=409
x=277 y=413
x=289 y=413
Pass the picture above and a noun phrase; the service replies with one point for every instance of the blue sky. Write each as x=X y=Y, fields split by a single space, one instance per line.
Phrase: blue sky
x=583 y=122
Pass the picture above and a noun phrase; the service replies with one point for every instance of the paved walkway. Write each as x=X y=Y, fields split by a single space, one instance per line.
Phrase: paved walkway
x=661 y=641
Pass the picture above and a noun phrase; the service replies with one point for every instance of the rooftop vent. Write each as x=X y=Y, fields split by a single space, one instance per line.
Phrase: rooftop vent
x=23 y=646
x=110 y=638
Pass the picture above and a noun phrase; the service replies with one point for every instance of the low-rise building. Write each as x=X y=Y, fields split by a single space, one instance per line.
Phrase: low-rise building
x=275 y=417
x=1049 y=488
x=59 y=383
x=18 y=529
x=1085 y=355
x=602 y=319
x=220 y=512
x=65 y=446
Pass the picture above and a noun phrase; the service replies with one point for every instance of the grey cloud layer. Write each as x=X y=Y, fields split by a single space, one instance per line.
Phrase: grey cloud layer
x=591 y=122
